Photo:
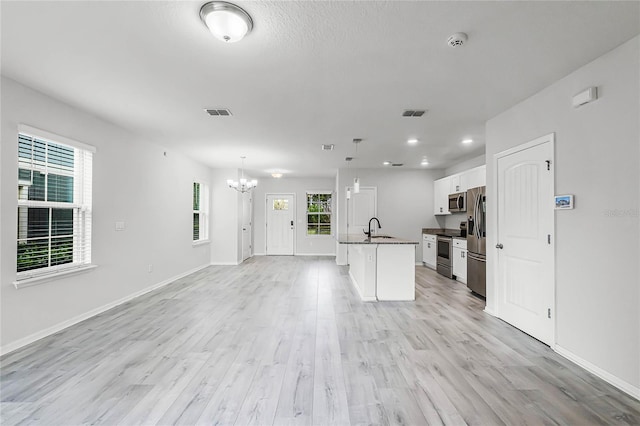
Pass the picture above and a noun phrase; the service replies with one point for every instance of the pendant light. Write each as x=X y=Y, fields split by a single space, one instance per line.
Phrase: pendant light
x=356 y=180
x=226 y=21
x=243 y=185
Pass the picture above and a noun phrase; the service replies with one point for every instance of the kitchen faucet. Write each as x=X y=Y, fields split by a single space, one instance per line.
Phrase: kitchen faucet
x=371 y=220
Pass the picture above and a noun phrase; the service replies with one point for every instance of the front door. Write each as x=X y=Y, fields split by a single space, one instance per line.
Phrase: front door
x=280 y=224
x=525 y=250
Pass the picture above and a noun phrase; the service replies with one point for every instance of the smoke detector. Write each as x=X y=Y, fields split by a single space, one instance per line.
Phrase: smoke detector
x=457 y=39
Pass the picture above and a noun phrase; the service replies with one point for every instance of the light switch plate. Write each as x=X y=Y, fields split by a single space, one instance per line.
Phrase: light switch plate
x=120 y=226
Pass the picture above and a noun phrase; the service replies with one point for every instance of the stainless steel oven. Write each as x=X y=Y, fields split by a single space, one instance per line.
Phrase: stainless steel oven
x=445 y=250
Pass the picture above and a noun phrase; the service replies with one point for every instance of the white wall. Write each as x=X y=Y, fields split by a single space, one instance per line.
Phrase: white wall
x=226 y=211
x=597 y=243
x=466 y=165
x=404 y=197
x=133 y=182
x=304 y=244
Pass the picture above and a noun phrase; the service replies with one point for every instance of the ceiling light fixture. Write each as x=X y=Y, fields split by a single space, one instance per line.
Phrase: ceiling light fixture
x=276 y=175
x=386 y=163
x=226 y=21
x=467 y=141
x=412 y=141
x=424 y=162
x=243 y=185
x=356 y=180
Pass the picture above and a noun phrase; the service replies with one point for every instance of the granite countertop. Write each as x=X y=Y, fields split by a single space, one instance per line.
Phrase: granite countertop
x=377 y=239
x=454 y=233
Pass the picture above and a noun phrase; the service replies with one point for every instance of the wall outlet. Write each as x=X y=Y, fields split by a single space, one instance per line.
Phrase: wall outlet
x=150 y=268
x=120 y=226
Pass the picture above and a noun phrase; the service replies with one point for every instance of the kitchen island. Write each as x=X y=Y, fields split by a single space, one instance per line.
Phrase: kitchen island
x=382 y=267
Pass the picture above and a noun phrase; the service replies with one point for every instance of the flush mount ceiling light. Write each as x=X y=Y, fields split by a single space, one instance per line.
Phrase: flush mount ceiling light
x=467 y=141
x=412 y=141
x=226 y=21
x=386 y=163
x=276 y=175
x=424 y=162
x=243 y=185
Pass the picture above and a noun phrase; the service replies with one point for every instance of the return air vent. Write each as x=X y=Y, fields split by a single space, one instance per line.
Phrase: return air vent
x=413 y=113
x=348 y=158
x=397 y=164
x=218 y=112
x=328 y=147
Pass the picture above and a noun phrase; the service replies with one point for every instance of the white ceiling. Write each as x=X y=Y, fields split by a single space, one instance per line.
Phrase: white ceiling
x=310 y=73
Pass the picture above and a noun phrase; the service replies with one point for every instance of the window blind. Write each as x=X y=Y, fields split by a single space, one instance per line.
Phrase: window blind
x=54 y=206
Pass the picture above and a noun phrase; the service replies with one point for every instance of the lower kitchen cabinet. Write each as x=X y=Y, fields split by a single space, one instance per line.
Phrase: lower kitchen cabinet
x=459 y=261
x=429 y=250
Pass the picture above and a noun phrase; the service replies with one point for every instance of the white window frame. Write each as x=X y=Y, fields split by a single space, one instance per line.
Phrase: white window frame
x=81 y=206
x=203 y=212
x=306 y=217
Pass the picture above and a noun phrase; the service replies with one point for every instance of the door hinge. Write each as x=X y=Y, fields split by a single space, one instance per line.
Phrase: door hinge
x=548 y=164
x=548 y=238
x=549 y=313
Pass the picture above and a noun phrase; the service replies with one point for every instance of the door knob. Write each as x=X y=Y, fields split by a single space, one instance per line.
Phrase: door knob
x=499 y=246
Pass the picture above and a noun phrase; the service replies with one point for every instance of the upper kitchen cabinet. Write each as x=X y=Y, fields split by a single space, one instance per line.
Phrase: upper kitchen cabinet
x=441 y=191
x=460 y=182
x=475 y=177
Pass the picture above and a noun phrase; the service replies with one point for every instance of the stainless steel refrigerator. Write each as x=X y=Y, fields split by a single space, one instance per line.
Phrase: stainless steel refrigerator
x=477 y=241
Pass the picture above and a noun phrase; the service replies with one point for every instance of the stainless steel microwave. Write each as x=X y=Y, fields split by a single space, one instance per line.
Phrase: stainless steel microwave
x=458 y=202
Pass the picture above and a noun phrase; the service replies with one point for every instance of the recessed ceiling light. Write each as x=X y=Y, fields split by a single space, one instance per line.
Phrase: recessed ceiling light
x=424 y=162
x=226 y=21
x=467 y=141
x=386 y=163
x=276 y=175
x=412 y=141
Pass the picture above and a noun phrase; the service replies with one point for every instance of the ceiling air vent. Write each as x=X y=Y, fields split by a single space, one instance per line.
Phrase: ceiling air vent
x=327 y=147
x=397 y=164
x=413 y=113
x=218 y=112
x=348 y=158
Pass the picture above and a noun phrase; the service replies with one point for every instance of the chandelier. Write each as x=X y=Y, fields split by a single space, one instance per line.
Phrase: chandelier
x=243 y=185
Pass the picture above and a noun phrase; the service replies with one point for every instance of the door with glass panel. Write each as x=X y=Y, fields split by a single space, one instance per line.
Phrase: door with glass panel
x=280 y=224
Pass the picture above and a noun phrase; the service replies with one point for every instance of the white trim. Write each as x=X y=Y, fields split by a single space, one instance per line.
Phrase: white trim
x=75 y=320
x=315 y=254
x=364 y=299
x=259 y=254
x=224 y=263
x=491 y=312
x=52 y=137
x=604 y=375
x=200 y=242
x=44 y=278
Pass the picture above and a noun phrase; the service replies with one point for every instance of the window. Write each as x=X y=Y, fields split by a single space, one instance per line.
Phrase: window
x=200 y=212
x=54 y=204
x=318 y=213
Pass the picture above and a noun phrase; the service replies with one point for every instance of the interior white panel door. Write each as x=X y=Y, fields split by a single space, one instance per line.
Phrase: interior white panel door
x=525 y=253
x=362 y=207
x=280 y=224
x=246 y=225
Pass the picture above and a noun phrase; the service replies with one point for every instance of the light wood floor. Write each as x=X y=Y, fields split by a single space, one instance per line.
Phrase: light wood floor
x=285 y=340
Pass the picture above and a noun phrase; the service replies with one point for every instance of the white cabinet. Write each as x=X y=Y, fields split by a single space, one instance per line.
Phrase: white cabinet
x=475 y=177
x=441 y=191
x=459 y=261
x=429 y=250
x=459 y=182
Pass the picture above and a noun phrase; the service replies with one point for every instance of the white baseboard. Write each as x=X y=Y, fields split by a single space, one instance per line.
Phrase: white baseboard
x=224 y=263
x=79 y=318
x=315 y=254
x=490 y=311
x=364 y=299
x=604 y=375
